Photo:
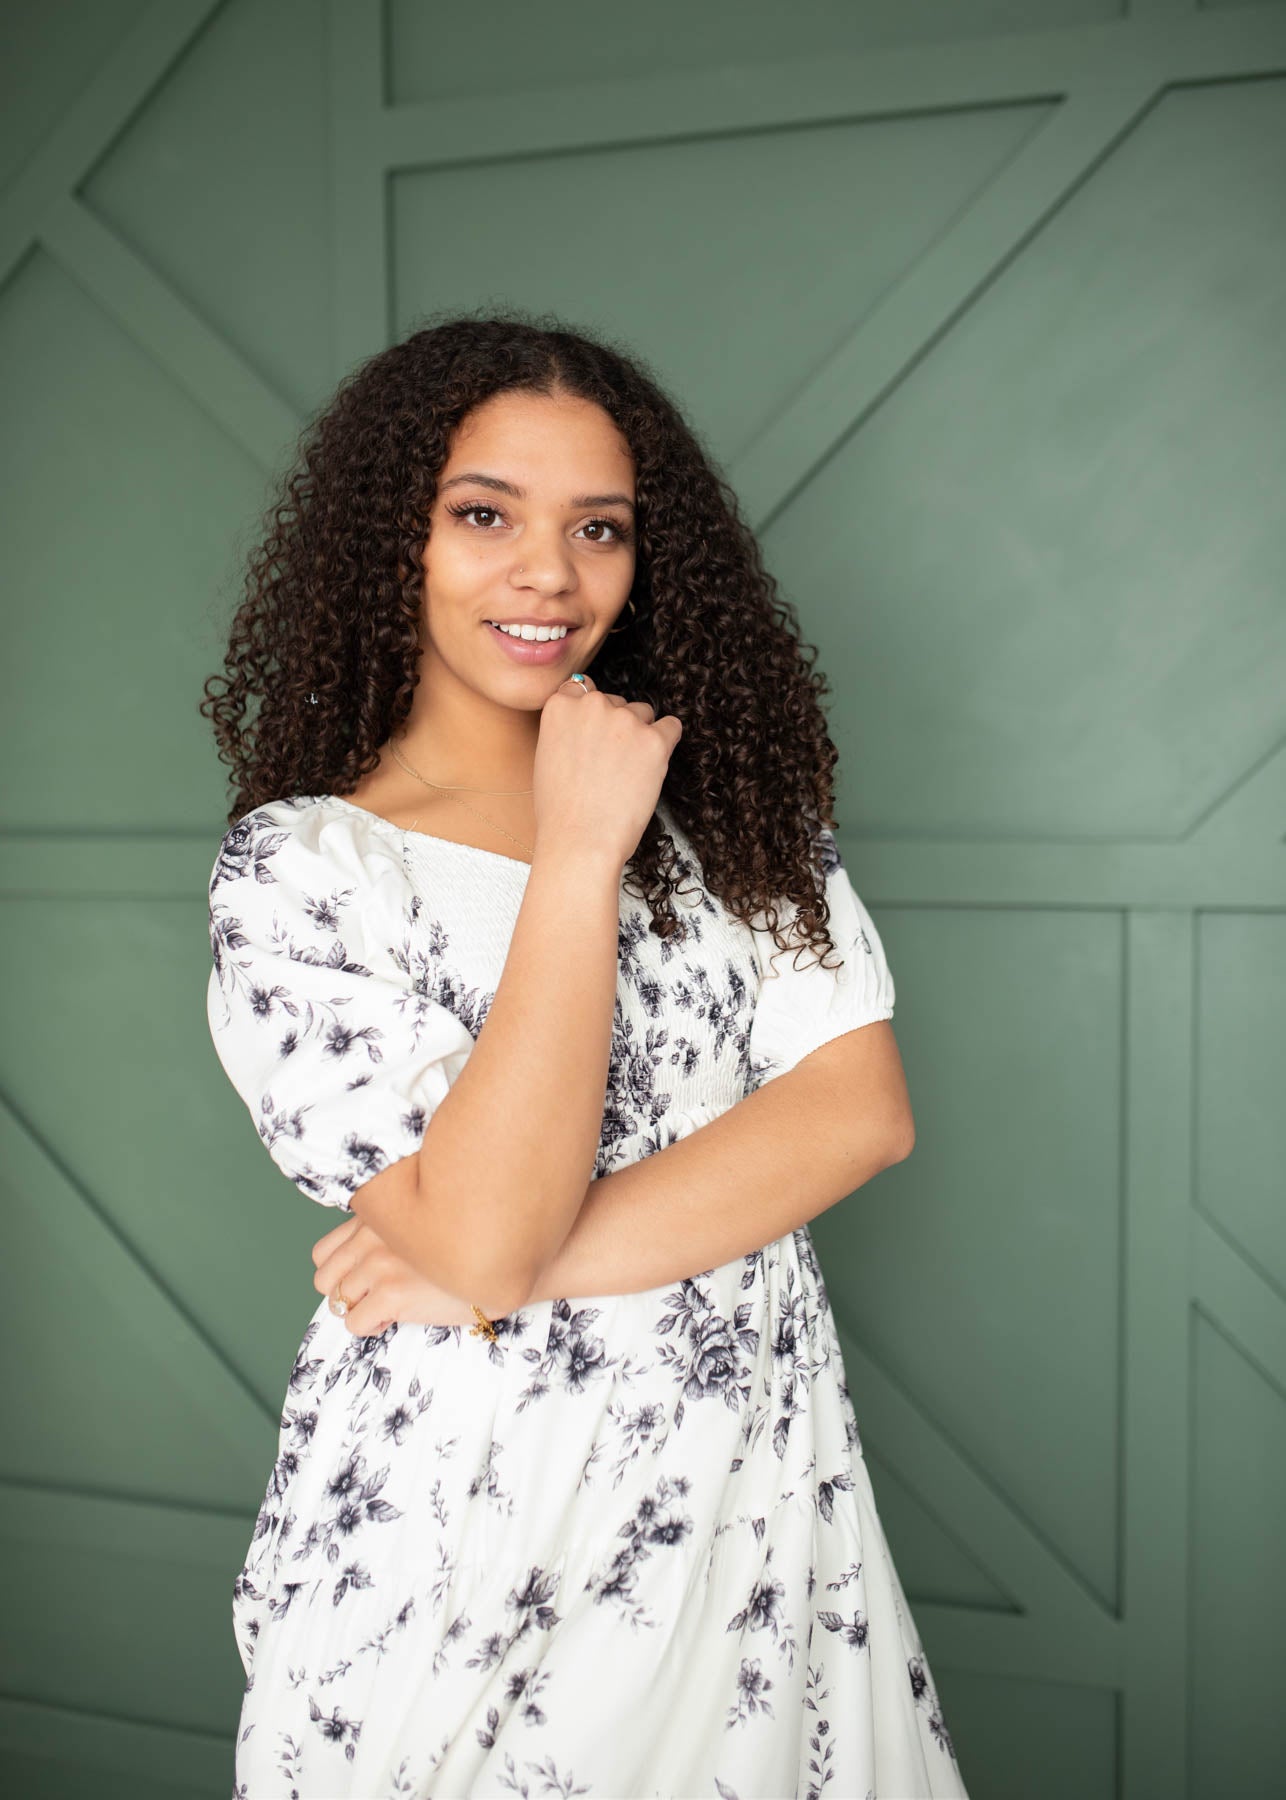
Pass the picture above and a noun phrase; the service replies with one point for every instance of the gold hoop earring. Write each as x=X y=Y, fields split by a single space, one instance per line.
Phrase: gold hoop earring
x=629 y=608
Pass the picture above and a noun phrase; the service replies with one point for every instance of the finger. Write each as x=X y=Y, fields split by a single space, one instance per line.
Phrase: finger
x=356 y=1294
x=365 y=1317
x=351 y=1240
x=670 y=728
x=333 y=1239
x=344 y=1268
x=348 y=1280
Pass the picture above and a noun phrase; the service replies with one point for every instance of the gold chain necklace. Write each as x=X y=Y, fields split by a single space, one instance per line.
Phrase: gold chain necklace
x=451 y=792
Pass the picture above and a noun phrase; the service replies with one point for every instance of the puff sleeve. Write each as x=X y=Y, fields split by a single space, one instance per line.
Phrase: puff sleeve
x=800 y=1009
x=321 y=1014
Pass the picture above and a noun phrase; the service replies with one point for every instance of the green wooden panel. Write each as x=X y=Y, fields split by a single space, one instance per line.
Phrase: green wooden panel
x=56 y=1779
x=432 y=56
x=119 y=501
x=1043 y=521
x=53 y=1753
x=224 y=255
x=125 y=1608
x=1009 y=1024
x=1237 y=1727
x=1240 y=1119
x=980 y=304
x=99 y=1411
x=896 y=183
x=158 y=1143
x=946 y=1571
x=1154 y=1501
x=1033 y=1737
x=55 y=65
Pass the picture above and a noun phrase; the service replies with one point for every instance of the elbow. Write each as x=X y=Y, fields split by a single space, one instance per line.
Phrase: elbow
x=505 y=1293
x=481 y=1267
x=903 y=1142
x=439 y=1246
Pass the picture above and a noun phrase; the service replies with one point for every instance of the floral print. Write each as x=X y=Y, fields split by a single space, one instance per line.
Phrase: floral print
x=630 y=1548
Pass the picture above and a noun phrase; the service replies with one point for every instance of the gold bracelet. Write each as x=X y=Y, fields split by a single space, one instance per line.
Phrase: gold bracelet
x=484 y=1327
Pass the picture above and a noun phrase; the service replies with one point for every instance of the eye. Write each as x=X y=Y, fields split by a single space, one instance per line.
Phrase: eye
x=478 y=506
x=622 y=531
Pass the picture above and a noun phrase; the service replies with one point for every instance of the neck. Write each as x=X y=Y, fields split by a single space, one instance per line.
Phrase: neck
x=457 y=737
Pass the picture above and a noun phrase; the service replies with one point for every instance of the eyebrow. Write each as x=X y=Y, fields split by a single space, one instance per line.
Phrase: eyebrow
x=507 y=487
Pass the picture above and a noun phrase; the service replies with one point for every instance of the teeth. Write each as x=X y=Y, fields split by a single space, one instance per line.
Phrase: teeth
x=539 y=634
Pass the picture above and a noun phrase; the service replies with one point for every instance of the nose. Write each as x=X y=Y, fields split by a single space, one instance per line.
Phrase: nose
x=545 y=561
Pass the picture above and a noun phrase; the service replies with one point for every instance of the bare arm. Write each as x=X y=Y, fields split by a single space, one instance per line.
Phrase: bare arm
x=763 y=1168
x=785 y=1153
x=510 y=1148
x=508 y=1153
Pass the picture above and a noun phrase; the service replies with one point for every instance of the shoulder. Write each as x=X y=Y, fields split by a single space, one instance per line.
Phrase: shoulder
x=303 y=833
x=252 y=847
x=312 y=863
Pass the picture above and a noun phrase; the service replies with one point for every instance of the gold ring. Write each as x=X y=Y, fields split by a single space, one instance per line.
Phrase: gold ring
x=338 y=1304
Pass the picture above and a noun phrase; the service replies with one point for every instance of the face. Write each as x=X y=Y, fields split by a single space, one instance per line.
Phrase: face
x=532 y=523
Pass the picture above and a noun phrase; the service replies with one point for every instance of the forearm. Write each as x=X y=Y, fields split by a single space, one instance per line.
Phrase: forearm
x=510 y=1149
x=769 y=1164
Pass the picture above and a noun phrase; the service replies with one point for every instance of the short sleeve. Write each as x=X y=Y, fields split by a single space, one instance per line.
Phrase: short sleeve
x=322 y=1017
x=799 y=1009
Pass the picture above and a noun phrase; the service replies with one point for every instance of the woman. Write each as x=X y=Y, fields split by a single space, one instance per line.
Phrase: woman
x=569 y=1495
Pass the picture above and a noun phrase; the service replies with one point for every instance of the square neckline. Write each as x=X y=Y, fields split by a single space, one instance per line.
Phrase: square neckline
x=404 y=831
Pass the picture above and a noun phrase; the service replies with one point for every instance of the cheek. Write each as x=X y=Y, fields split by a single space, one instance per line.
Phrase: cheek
x=454 y=577
x=611 y=582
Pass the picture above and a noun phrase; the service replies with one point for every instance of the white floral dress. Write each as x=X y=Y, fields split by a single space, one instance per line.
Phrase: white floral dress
x=631 y=1547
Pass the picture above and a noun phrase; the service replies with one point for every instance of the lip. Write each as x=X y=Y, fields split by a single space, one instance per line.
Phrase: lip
x=527 y=650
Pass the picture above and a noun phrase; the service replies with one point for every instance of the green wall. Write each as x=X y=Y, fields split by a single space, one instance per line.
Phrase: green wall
x=982 y=306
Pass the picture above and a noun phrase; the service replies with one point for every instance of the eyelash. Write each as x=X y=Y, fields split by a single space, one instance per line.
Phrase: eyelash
x=623 y=532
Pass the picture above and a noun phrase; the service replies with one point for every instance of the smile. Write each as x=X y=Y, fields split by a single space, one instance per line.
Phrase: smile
x=532 y=633
x=533 y=644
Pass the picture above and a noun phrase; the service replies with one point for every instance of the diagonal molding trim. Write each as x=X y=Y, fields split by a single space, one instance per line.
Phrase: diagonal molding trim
x=140 y=62
x=137 y=1304
x=1064 y=1634
x=1108 y=76
x=1251 y=811
x=194 y=356
x=42 y=206
x=1246 y=1306
x=936 y=291
x=1001 y=70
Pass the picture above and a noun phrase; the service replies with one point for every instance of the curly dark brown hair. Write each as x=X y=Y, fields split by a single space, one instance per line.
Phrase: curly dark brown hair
x=334 y=597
